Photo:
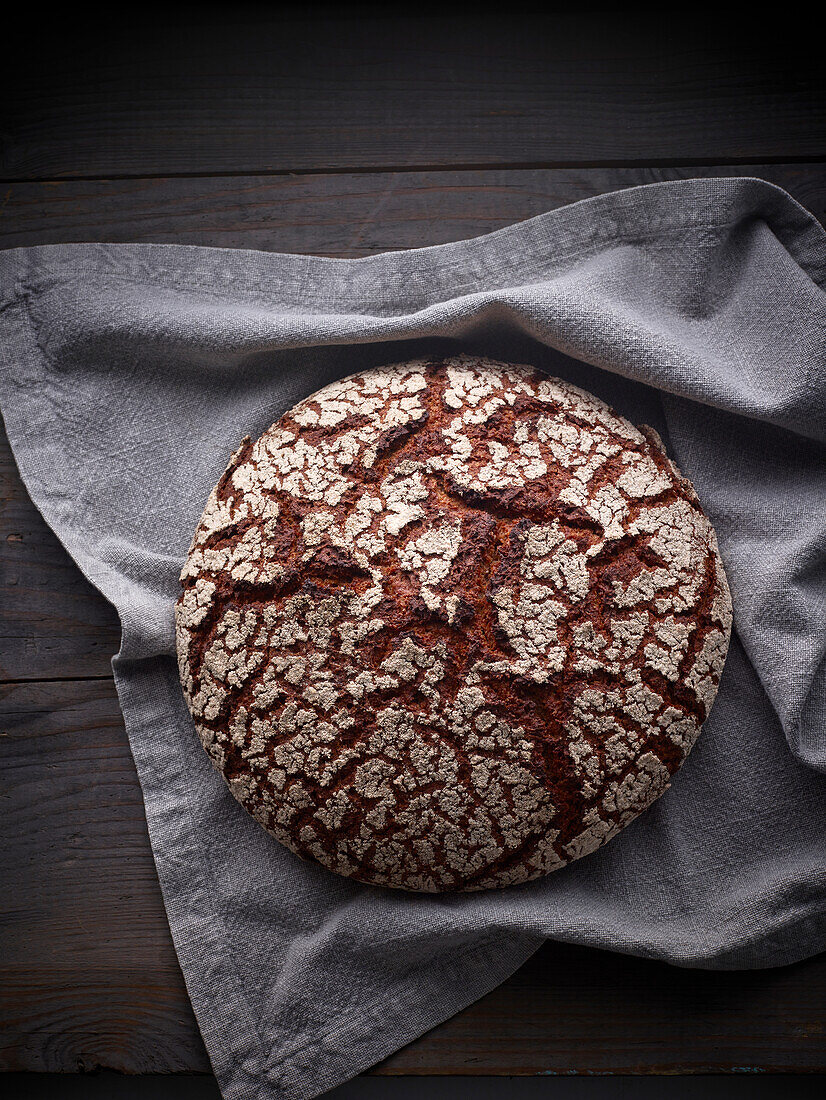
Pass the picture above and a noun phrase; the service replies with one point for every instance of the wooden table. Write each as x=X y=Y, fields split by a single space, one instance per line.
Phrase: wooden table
x=341 y=137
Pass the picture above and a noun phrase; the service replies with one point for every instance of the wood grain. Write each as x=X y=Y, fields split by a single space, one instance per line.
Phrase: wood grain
x=353 y=214
x=88 y=972
x=234 y=90
x=89 y=977
x=53 y=623
x=81 y=1019
x=574 y=1010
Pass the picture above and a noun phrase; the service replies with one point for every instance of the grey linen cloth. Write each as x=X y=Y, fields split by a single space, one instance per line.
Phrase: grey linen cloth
x=131 y=372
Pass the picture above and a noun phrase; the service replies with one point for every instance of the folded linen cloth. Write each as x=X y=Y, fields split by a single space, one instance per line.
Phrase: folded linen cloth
x=130 y=373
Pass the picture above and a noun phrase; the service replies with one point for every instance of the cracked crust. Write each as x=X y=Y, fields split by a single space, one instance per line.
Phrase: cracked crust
x=450 y=625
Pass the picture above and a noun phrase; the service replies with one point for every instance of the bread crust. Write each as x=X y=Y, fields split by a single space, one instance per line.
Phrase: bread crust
x=449 y=625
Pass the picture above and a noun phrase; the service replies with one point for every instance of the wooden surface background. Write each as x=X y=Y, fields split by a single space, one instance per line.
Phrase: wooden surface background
x=340 y=136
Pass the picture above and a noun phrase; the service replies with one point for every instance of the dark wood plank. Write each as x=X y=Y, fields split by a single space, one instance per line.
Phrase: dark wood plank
x=81 y=1019
x=53 y=623
x=577 y=1010
x=233 y=89
x=334 y=215
x=88 y=974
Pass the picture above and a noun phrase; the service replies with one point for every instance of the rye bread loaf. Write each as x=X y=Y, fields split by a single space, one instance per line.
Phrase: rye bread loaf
x=450 y=625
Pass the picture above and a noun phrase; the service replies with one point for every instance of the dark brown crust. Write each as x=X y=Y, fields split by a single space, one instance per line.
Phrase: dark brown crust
x=527 y=622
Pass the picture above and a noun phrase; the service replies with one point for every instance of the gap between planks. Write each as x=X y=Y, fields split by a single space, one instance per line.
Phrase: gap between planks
x=384 y=169
x=53 y=680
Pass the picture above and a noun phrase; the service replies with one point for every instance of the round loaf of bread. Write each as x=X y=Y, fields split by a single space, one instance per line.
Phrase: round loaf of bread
x=450 y=625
